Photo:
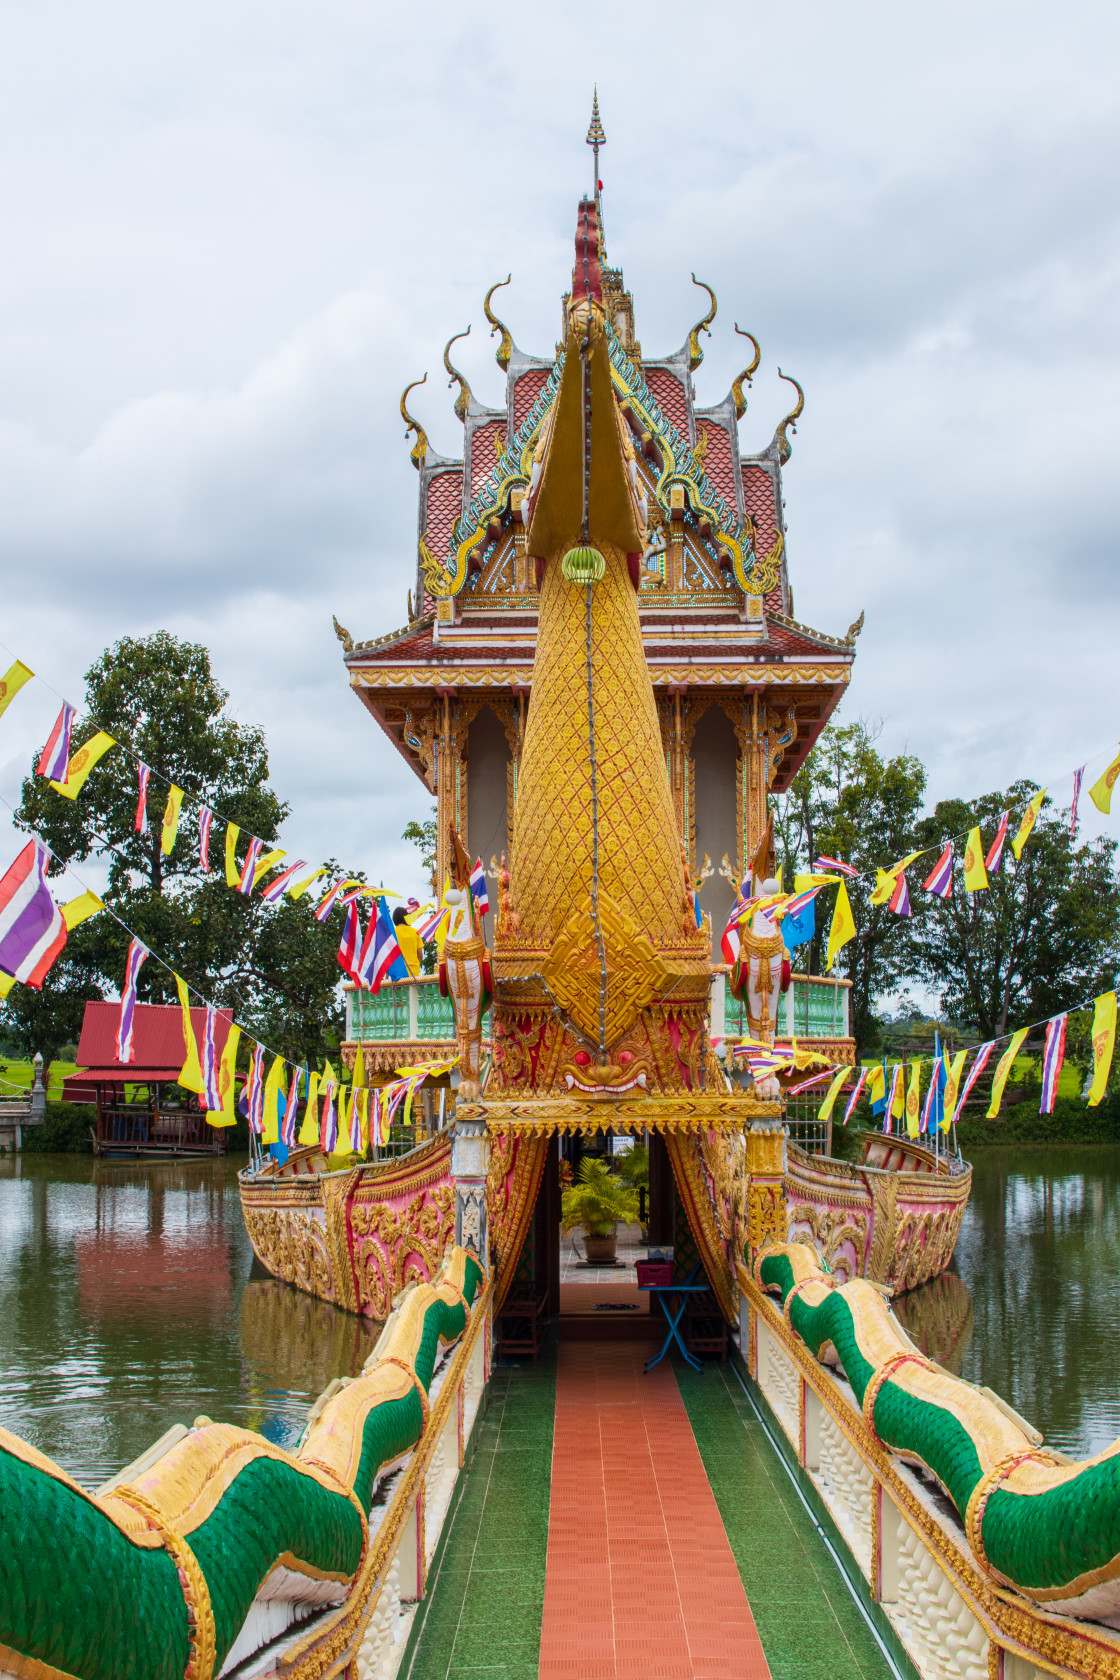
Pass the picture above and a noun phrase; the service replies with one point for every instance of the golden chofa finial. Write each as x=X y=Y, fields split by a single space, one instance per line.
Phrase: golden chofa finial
x=746 y=376
x=695 y=354
x=462 y=401
x=502 y=353
x=420 y=447
x=785 y=449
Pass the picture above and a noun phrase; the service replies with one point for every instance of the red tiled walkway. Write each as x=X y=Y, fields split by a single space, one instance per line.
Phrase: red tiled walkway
x=641 y=1583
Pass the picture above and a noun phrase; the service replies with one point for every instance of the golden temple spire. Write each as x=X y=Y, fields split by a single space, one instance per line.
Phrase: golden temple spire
x=598 y=885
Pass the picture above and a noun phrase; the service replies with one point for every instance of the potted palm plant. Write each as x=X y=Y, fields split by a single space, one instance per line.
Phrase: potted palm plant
x=599 y=1202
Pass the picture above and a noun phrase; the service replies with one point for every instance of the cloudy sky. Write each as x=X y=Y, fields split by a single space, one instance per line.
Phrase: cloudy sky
x=233 y=230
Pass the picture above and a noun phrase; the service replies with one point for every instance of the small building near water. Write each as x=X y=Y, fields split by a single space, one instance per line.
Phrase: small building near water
x=141 y=1107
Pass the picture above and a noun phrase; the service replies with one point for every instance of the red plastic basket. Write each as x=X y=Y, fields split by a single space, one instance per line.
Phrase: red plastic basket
x=654 y=1274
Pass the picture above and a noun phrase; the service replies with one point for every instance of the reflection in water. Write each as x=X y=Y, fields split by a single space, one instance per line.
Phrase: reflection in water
x=938 y=1318
x=126 y=1306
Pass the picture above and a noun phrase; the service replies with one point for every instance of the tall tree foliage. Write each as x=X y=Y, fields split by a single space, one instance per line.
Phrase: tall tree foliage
x=1045 y=934
x=275 y=966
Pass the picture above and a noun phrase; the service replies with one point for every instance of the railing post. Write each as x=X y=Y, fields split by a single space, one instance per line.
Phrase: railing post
x=38 y=1094
x=413 y=1010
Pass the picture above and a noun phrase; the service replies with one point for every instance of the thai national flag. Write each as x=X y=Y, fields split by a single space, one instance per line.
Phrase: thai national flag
x=381 y=955
x=834 y=863
x=211 y=1062
x=1052 y=1058
x=279 y=884
x=328 y=1125
x=254 y=1090
x=141 y=822
x=288 y=1124
x=32 y=929
x=249 y=869
x=854 y=1098
x=351 y=941
x=205 y=818
x=478 y=887
x=329 y=899
x=55 y=756
x=1077 y=775
x=357 y=1098
x=940 y=878
x=132 y=966
x=995 y=851
x=430 y=926
x=978 y=1067
x=899 y=900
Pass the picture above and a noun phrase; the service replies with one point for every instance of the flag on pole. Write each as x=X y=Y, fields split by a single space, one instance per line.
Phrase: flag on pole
x=1077 y=775
x=171 y=818
x=855 y=1096
x=825 y=1110
x=1030 y=817
x=141 y=821
x=843 y=926
x=291 y=1108
x=952 y=1084
x=975 y=875
x=11 y=683
x=211 y=1094
x=975 y=1071
x=56 y=754
x=940 y=878
x=1104 y=1038
x=81 y=763
x=224 y=1114
x=914 y=1101
x=995 y=850
x=1100 y=792
x=277 y=887
x=205 y=818
x=1003 y=1070
x=133 y=963
x=190 y=1075
x=380 y=957
x=349 y=946
x=32 y=927
x=1052 y=1058
x=248 y=871
x=478 y=887
x=834 y=863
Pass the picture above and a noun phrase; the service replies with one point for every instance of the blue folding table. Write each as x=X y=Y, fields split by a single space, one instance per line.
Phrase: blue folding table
x=673 y=1316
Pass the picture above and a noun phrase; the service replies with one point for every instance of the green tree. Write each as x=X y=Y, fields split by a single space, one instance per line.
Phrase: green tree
x=1044 y=936
x=848 y=801
x=275 y=966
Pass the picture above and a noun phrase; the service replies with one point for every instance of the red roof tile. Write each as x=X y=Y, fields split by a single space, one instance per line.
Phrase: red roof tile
x=445 y=504
x=526 y=392
x=669 y=394
x=483 y=453
x=718 y=462
x=158 y=1045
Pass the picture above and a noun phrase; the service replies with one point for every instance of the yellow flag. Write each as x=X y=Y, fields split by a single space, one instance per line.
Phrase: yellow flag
x=363 y=1116
x=7 y=981
x=887 y=879
x=233 y=874
x=898 y=1094
x=80 y=908
x=329 y=1075
x=1100 y=792
x=1104 y=1038
x=1006 y=1063
x=191 y=1075
x=843 y=927
x=1030 y=817
x=171 y=818
x=952 y=1086
x=270 y=1132
x=359 y=1068
x=264 y=864
x=81 y=763
x=914 y=1101
x=975 y=875
x=227 y=1082
x=309 y=1131
x=833 y=1092
x=301 y=886
x=876 y=1088
x=13 y=680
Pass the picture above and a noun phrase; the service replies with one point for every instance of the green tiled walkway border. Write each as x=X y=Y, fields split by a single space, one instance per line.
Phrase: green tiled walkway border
x=802 y=1606
x=485 y=1601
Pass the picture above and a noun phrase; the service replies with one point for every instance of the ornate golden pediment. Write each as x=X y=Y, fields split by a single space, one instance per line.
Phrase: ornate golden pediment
x=635 y=974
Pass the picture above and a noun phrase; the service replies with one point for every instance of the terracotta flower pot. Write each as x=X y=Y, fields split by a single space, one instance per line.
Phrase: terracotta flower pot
x=600 y=1250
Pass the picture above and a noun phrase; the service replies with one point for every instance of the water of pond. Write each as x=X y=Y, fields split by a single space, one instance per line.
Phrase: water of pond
x=128 y=1303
